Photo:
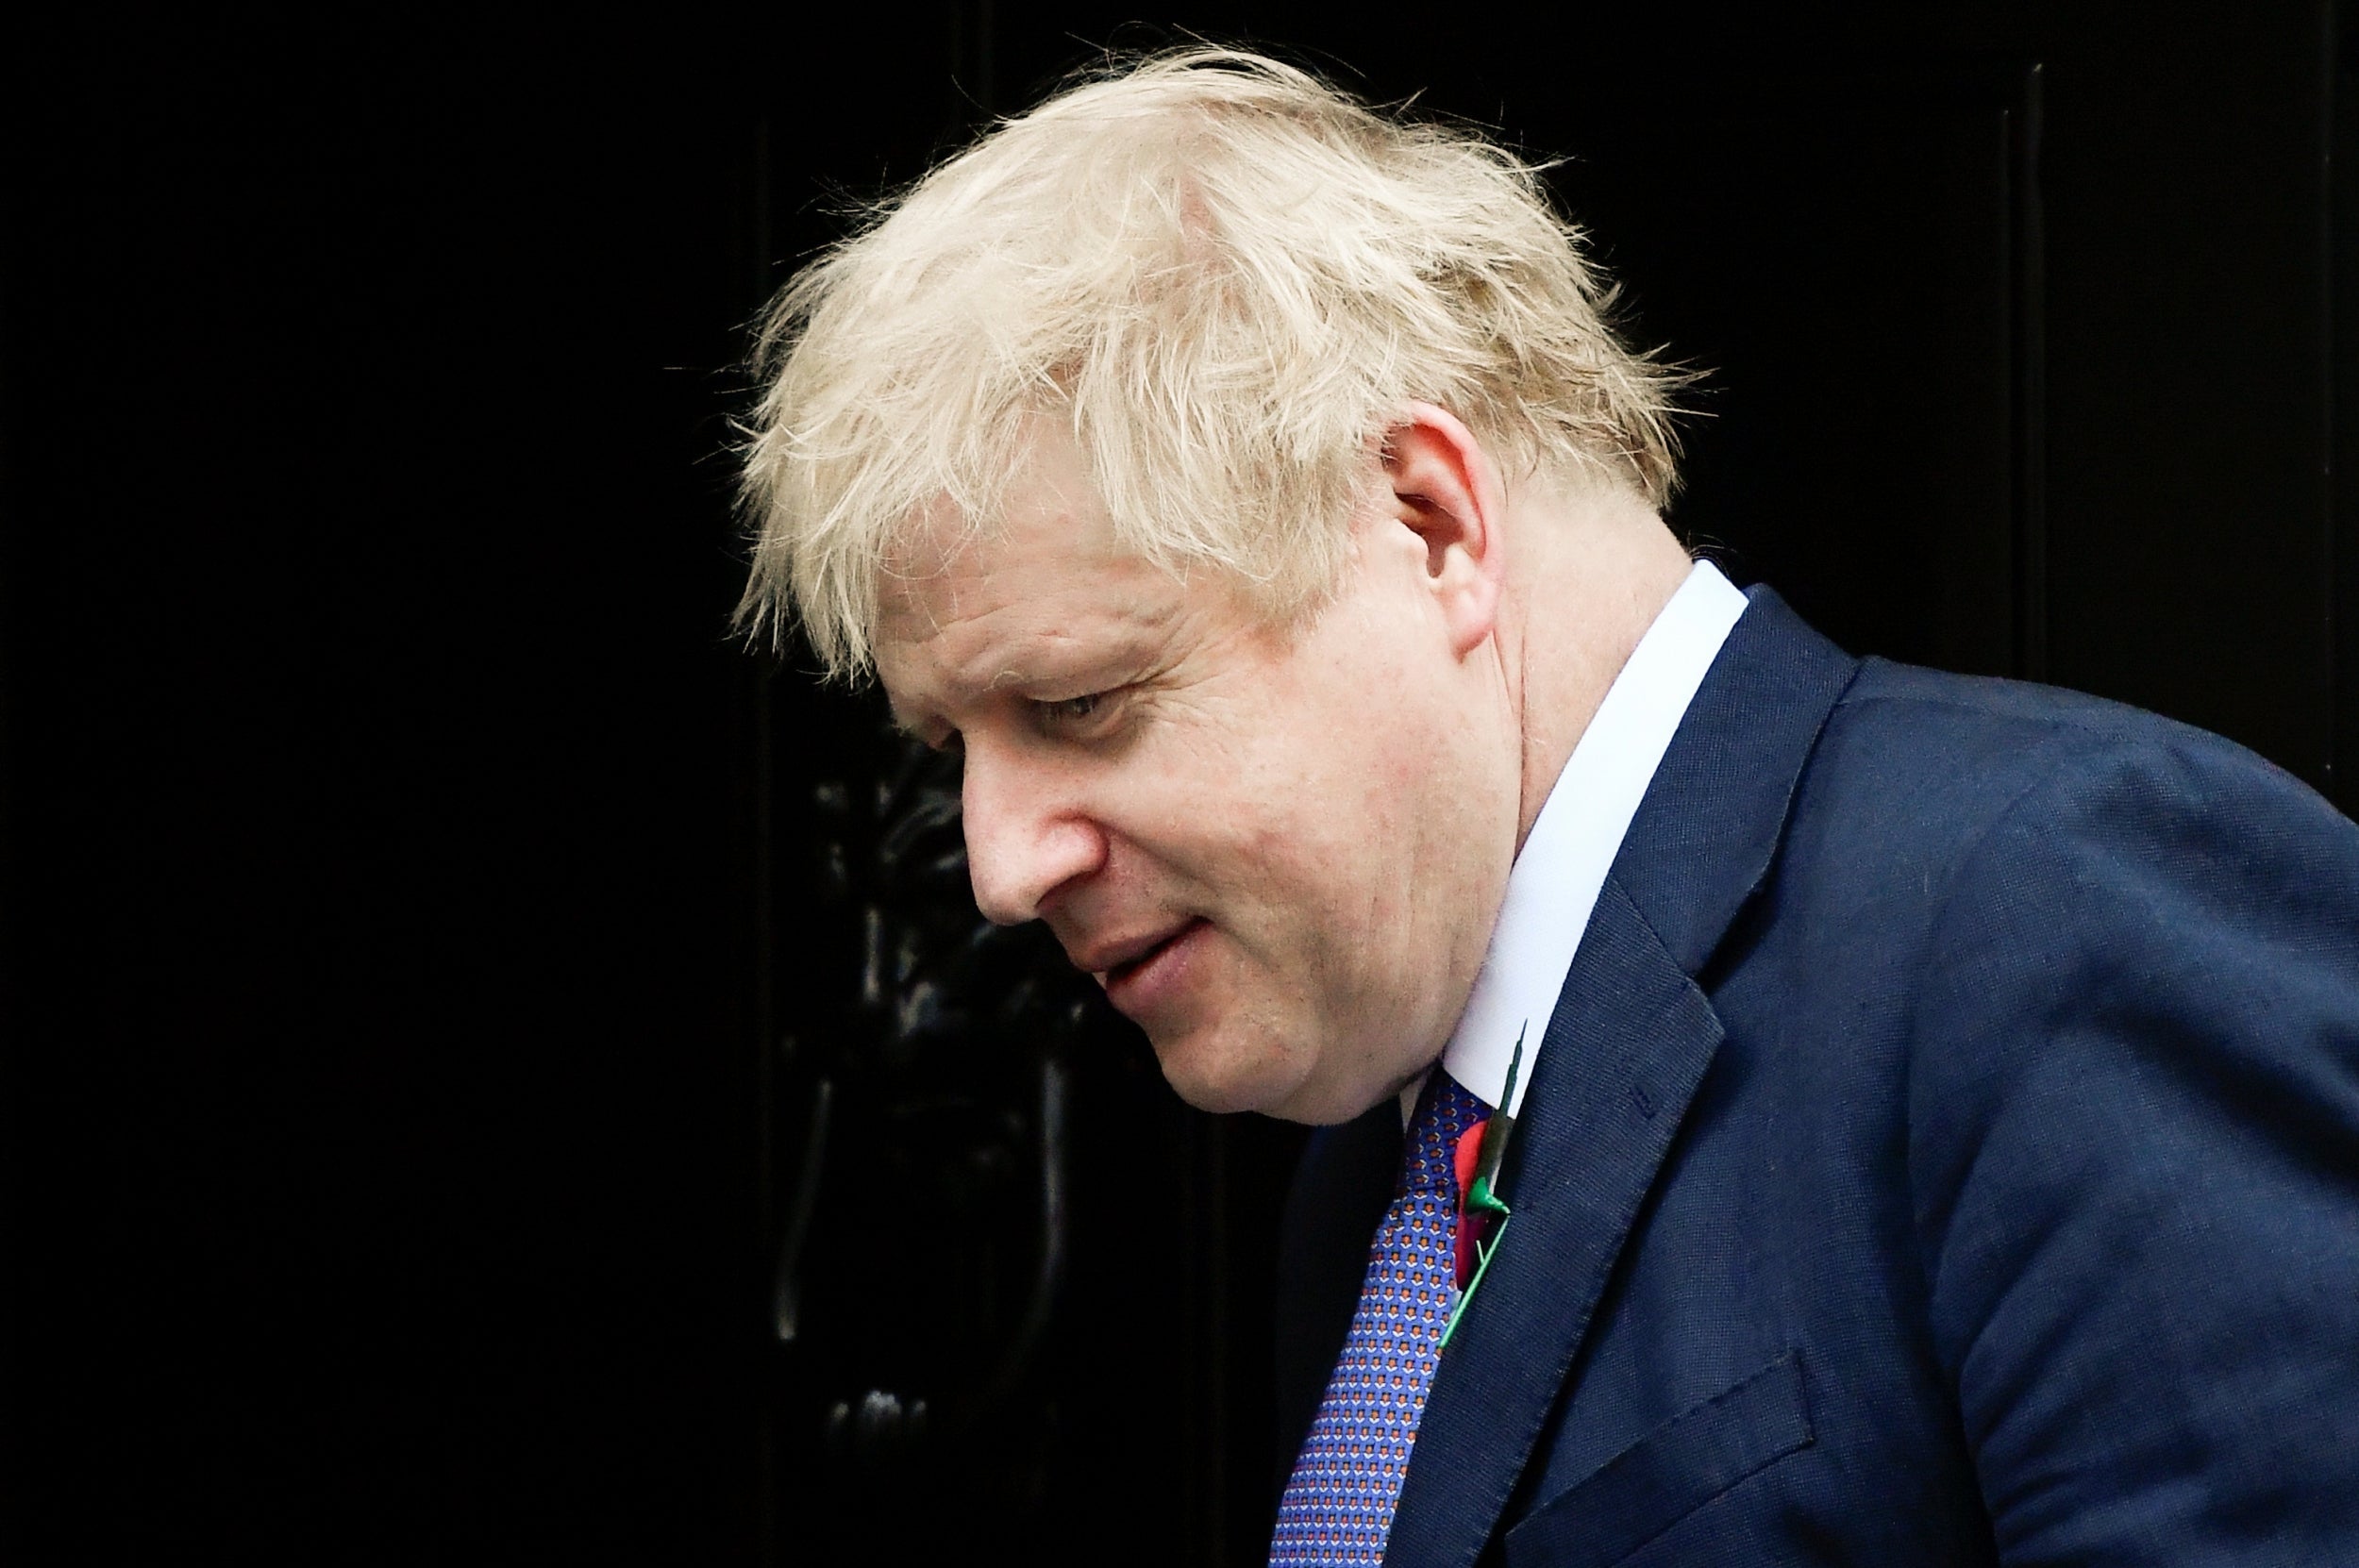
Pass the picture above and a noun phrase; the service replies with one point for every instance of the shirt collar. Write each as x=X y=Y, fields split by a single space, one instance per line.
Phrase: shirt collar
x=1562 y=864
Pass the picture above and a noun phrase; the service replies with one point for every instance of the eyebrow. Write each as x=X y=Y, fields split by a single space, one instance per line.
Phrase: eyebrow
x=1054 y=657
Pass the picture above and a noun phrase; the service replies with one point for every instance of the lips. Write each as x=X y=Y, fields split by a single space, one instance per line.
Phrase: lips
x=1146 y=974
x=1113 y=960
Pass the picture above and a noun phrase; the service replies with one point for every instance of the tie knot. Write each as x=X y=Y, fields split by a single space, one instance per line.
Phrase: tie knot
x=1445 y=1112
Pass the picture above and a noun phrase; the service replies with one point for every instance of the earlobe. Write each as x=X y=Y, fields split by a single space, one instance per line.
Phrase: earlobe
x=1446 y=491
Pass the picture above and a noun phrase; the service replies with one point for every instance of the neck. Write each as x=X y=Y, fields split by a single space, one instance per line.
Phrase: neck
x=1597 y=567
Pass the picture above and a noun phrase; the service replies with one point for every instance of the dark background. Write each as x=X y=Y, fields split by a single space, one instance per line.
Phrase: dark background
x=427 y=937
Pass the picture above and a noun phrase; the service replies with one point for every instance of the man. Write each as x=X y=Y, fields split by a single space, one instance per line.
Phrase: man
x=1853 y=1114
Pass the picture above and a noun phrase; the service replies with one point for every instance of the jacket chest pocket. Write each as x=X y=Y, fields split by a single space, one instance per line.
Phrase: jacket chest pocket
x=1669 y=1473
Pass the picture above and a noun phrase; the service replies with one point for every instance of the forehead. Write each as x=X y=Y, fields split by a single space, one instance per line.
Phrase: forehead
x=1051 y=518
x=1036 y=597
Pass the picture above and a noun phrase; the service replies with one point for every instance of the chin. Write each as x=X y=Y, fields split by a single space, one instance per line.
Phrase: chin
x=1224 y=1075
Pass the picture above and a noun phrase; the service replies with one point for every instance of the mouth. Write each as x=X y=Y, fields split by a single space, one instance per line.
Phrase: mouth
x=1126 y=970
x=1110 y=963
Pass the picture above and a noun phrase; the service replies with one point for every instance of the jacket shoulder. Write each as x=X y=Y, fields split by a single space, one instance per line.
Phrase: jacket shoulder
x=1912 y=755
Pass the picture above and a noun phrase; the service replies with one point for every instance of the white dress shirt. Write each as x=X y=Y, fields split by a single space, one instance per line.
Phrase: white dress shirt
x=1562 y=866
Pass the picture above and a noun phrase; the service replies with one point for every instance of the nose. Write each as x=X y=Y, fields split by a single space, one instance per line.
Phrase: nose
x=1027 y=835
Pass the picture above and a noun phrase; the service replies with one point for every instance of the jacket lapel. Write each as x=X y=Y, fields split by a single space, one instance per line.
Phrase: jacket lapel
x=1630 y=1040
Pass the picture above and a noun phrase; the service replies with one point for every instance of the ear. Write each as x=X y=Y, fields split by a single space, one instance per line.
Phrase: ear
x=1446 y=491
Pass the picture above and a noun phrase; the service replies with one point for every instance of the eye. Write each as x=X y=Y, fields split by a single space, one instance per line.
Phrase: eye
x=1076 y=715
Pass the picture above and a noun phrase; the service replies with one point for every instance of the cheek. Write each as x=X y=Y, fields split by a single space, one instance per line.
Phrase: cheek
x=1345 y=860
x=1420 y=866
x=1327 y=822
x=1300 y=803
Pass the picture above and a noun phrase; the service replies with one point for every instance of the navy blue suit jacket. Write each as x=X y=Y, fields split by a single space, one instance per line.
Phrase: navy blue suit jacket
x=1944 y=1150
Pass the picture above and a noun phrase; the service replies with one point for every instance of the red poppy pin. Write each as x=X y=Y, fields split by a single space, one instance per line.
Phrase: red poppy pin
x=1482 y=1216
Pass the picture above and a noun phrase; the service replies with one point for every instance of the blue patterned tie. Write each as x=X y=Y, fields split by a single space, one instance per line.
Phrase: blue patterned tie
x=1338 y=1508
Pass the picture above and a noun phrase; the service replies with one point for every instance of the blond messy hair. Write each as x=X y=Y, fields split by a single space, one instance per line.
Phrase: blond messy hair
x=1224 y=278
